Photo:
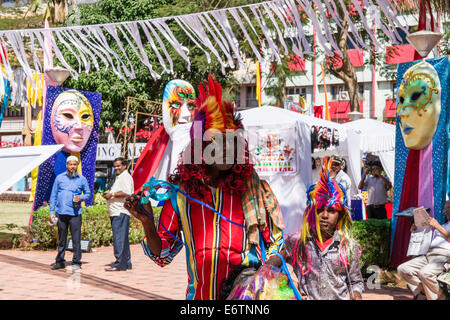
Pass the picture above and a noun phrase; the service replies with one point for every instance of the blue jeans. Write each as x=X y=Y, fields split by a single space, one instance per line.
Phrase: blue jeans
x=120 y=225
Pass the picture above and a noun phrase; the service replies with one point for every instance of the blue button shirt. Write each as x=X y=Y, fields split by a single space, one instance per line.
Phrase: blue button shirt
x=64 y=189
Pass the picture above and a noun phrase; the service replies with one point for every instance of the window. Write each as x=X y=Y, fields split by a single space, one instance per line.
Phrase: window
x=394 y=89
x=16 y=112
x=350 y=44
x=296 y=91
x=336 y=92
x=361 y=91
x=251 y=97
x=237 y=97
x=402 y=35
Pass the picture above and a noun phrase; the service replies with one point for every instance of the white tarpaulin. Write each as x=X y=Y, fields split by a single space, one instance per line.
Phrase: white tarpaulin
x=377 y=138
x=18 y=162
x=290 y=189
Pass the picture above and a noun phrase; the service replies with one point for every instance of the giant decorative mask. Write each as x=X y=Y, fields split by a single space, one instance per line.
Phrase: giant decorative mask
x=178 y=104
x=72 y=120
x=419 y=105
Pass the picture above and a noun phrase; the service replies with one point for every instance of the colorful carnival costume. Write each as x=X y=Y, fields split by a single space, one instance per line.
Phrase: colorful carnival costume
x=247 y=209
x=325 y=269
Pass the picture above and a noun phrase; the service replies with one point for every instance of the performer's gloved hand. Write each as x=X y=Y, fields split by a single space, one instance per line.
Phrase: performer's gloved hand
x=132 y=205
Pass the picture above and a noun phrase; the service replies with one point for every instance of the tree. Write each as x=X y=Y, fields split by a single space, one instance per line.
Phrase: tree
x=114 y=89
x=56 y=10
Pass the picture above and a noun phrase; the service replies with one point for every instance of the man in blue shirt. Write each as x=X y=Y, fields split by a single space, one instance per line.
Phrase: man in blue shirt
x=69 y=189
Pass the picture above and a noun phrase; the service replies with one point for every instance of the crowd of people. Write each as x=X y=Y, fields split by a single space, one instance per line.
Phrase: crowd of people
x=227 y=218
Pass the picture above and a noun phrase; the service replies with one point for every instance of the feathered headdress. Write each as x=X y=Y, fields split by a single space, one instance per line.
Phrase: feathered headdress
x=220 y=115
x=327 y=193
x=214 y=113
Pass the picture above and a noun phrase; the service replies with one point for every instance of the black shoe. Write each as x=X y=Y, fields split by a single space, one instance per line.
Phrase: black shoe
x=57 y=266
x=113 y=269
x=76 y=266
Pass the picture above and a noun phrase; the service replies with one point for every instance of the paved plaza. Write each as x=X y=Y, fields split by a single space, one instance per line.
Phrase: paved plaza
x=26 y=275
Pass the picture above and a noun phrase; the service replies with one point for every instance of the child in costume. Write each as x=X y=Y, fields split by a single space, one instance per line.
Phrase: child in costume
x=324 y=255
x=248 y=210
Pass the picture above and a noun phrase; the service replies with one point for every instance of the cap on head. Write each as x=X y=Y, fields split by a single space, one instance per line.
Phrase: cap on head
x=72 y=158
x=337 y=159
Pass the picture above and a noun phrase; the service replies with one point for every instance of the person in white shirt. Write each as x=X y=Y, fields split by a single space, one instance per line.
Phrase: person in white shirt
x=338 y=174
x=377 y=186
x=122 y=187
x=420 y=273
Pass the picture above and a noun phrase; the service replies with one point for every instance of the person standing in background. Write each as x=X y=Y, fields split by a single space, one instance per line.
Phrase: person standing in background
x=377 y=186
x=338 y=174
x=65 y=209
x=122 y=187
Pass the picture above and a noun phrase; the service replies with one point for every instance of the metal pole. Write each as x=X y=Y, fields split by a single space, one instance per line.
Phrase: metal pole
x=124 y=145
x=134 y=141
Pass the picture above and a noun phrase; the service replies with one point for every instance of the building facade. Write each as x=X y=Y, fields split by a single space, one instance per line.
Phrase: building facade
x=376 y=84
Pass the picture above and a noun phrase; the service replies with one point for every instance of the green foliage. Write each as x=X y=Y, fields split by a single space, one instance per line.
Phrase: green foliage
x=40 y=234
x=373 y=236
x=96 y=226
x=115 y=90
x=98 y=198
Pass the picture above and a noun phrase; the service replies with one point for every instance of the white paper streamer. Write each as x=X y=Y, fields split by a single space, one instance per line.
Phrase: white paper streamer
x=210 y=31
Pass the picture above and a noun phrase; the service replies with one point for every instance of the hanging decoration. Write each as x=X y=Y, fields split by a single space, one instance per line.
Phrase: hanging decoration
x=214 y=32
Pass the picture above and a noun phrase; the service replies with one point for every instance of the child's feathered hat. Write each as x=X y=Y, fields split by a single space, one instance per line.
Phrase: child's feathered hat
x=326 y=193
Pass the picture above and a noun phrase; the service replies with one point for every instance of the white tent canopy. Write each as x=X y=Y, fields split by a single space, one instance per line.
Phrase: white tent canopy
x=290 y=190
x=377 y=138
x=18 y=162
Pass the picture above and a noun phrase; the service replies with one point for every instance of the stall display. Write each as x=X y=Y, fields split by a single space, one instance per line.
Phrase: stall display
x=322 y=138
x=292 y=130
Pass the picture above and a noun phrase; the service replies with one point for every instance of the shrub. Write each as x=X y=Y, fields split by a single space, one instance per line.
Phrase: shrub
x=96 y=227
x=373 y=236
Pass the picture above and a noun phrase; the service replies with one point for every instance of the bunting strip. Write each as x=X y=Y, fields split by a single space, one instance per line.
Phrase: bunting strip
x=214 y=32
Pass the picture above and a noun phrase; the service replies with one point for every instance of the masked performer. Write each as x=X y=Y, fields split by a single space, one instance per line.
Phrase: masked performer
x=246 y=217
x=325 y=257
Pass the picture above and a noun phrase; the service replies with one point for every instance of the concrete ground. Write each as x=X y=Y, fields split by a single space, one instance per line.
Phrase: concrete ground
x=26 y=275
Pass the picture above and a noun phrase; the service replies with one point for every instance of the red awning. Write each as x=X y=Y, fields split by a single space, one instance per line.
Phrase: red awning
x=390 y=109
x=340 y=109
x=399 y=54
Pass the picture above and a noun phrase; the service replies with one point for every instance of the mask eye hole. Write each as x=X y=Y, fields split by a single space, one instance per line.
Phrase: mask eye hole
x=401 y=99
x=85 y=117
x=416 y=95
x=175 y=105
x=68 y=115
x=191 y=106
